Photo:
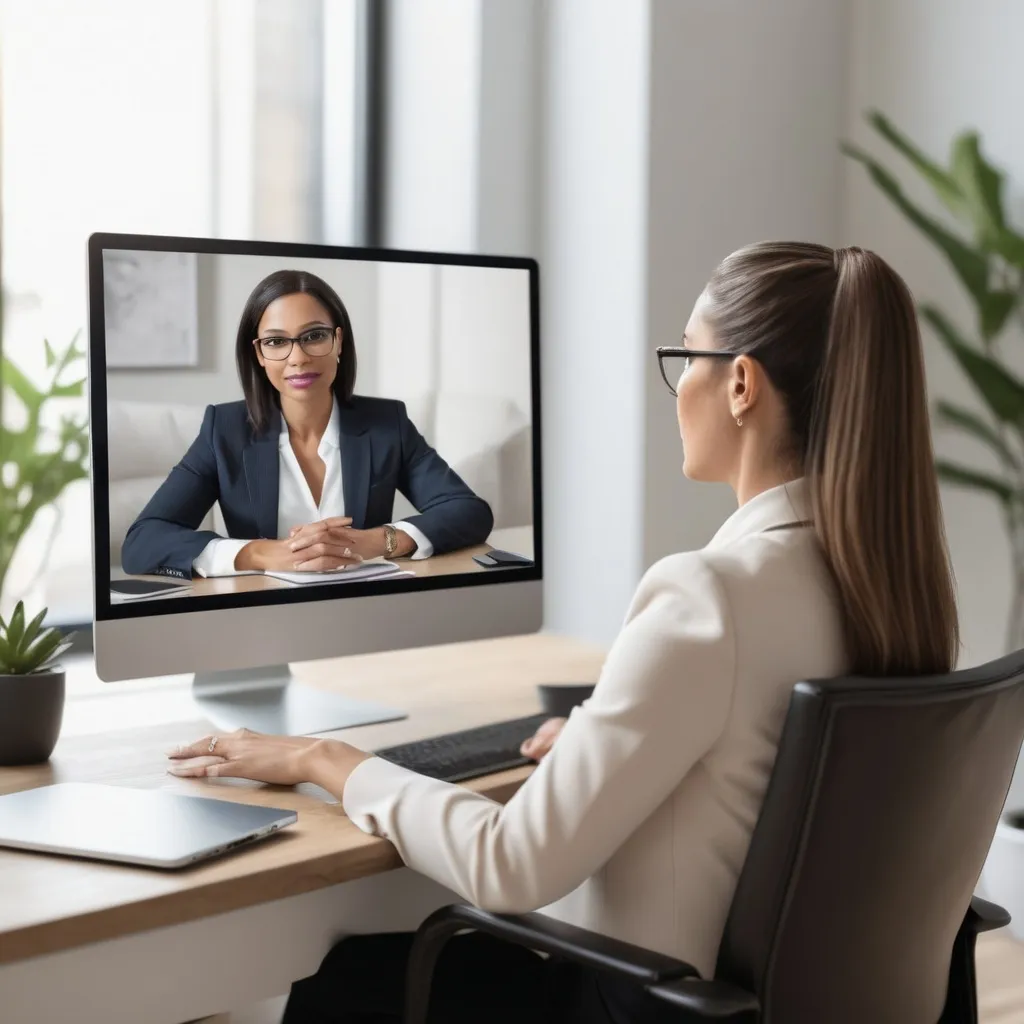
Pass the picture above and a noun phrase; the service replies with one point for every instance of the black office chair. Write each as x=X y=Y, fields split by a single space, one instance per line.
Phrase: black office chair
x=855 y=904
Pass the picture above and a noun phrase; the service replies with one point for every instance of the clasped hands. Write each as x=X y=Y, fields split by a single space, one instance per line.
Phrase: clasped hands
x=332 y=543
x=325 y=545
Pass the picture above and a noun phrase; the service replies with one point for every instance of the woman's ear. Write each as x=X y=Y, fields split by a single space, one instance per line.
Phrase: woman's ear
x=744 y=386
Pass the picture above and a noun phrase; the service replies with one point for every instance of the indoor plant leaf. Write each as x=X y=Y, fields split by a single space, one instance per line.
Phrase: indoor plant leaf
x=970 y=266
x=956 y=416
x=1003 y=392
x=961 y=476
x=16 y=627
x=943 y=184
x=43 y=650
x=72 y=390
x=32 y=629
x=981 y=185
x=995 y=311
x=1010 y=245
x=47 y=665
x=29 y=394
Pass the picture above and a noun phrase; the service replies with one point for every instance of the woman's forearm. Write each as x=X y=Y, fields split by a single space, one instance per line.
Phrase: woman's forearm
x=251 y=556
x=329 y=763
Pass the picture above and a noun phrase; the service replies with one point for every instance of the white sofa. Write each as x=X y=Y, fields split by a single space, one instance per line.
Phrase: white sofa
x=147 y=439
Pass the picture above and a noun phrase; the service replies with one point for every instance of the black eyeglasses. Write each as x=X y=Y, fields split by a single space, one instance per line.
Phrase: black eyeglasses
x=317 y=341
x=674 y=361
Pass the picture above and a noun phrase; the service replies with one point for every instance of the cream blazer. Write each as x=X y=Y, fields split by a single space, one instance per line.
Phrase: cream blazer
x=637 y=823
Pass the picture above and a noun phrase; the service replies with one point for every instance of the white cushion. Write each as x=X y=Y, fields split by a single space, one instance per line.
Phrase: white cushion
x=487 y=442
x=147 y=440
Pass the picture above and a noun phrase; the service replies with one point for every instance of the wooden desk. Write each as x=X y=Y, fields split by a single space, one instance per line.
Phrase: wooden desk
x=121 y=941
x=518 y=539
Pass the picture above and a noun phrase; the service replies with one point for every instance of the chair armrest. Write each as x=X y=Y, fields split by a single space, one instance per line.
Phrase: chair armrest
x=983 y=916
x=665 y=977
x=546 y=935
x=709 y=1000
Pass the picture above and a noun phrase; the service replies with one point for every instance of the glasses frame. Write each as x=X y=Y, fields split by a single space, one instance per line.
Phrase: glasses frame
x=258 y=342
x=663 y=351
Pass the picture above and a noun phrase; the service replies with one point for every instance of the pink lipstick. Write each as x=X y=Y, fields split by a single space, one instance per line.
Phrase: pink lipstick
x=302 y=380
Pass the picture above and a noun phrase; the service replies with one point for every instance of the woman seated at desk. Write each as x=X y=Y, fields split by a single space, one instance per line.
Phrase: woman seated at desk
x=304 y=470
x=800 y=383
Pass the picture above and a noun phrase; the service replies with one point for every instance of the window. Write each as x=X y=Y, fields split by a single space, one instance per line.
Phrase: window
x=231 y=118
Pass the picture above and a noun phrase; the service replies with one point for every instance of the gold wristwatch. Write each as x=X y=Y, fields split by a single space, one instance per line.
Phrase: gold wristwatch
x=390 y=540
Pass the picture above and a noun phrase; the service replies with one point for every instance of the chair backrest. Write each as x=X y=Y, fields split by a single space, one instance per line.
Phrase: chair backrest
x=883 y=801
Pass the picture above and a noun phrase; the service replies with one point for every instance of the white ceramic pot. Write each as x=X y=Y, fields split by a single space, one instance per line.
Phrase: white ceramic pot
x=1003 y=877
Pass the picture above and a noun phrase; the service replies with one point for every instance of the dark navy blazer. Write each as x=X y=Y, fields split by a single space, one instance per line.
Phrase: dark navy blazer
x=381 y=452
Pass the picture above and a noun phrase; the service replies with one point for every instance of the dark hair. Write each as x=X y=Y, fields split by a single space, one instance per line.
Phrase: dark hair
x=261 y=397
x=837 y=335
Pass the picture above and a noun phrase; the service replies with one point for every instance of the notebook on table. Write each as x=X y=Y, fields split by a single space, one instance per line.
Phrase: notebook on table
x=369 y=570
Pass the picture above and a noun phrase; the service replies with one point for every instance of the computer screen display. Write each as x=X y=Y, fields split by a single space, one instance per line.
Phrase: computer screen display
x=277 y=423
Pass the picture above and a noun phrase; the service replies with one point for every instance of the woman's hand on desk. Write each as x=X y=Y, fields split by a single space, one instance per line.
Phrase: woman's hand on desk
x=543 y=739
x=278 y=760
x=339 y=534
x=305 y=549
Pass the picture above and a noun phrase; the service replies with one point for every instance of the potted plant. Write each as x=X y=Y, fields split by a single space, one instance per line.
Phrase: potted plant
x=31 y=688
x=988 y=259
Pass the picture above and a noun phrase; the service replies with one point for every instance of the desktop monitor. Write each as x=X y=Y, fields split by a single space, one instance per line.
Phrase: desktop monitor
x=305 y=451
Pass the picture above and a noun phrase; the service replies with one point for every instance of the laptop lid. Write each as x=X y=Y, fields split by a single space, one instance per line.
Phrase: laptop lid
x=150 y=827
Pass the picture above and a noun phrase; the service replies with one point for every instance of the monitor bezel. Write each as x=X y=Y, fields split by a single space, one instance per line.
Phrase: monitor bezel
x=104 y=609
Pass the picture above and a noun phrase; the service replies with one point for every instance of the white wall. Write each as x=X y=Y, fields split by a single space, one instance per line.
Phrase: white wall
x=464 y=110
x=594 y=317
x=225 y=283
x=936 y=67
x=744 y=119
x=418 y=329
x=630 y=148
x=484 y=324
x=672 y=142
x=432 y=116
x=453 y=330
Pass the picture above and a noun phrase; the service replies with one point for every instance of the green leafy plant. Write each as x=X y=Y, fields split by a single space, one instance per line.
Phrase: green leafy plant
x=38 y=462
x=986 y=254
x=28 y=647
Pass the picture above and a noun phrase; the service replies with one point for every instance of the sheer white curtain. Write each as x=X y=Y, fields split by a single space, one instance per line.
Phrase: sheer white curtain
x=230 y=118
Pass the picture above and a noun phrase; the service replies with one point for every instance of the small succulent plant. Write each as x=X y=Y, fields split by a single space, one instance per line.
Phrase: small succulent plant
x=25 y=649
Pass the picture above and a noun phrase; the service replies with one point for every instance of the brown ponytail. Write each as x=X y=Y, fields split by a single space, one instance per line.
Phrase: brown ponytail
x=837 y=335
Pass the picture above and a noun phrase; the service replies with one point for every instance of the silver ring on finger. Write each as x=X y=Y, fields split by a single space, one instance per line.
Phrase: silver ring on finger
x=213 y=744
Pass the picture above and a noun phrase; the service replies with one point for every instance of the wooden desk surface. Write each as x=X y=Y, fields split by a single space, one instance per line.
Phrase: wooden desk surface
x=49 y=903
x=518 y=539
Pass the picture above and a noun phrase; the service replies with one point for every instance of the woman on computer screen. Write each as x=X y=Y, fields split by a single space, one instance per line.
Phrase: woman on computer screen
x=305 y=471
x=800 y=384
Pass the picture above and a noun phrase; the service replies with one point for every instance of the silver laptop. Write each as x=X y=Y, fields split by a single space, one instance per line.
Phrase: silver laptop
x=134 y=826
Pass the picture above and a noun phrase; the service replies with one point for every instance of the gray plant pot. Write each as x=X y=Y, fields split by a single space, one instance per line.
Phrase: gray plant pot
x=31 y=712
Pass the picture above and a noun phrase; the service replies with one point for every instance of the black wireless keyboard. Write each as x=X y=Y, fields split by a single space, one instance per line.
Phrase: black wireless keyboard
x=457 y=756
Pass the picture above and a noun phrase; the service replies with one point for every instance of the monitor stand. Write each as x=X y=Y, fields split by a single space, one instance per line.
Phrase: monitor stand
x=269 y=700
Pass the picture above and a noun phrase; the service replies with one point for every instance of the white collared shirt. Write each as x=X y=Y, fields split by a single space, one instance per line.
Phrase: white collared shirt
x=295 y=504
